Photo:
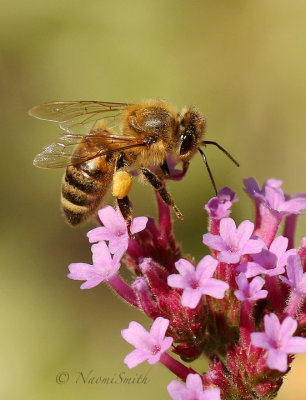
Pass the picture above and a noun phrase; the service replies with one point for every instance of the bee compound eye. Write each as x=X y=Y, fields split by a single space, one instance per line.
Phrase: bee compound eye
x=187 y=142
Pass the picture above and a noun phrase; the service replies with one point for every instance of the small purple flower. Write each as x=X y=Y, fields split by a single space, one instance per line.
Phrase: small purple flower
x=115 y=229
x=296 y=276
x=278 y=341
x=197 y=281
x=149 y=346
x=219 y=207
x=233 y=242
x=269 y=262
x=250 y=291
x=104 y=267
x=274 y=198
x=193 y=390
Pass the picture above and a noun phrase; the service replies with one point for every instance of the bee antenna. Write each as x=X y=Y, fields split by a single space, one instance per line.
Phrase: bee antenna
x=222 y=149
x=209 y=171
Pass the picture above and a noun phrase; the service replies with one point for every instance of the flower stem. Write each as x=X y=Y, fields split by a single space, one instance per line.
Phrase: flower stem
x=124 y=290
x=295 y=302
x=179 y=369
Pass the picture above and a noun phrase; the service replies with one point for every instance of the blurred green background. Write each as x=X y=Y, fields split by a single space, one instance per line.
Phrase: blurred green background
x=242 y=63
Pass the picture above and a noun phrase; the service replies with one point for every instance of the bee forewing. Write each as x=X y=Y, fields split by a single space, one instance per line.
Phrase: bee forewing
x=79 y=116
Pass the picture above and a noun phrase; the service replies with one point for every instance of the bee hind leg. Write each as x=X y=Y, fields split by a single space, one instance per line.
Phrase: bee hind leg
x=159 y=186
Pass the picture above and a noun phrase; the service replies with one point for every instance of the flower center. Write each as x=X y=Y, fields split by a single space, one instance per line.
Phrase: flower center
x=194 y=284
x=155 y=349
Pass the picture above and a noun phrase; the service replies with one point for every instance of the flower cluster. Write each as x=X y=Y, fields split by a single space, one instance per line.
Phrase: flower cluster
x=242 y=306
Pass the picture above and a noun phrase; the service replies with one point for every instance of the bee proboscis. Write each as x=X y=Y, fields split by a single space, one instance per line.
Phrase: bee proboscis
x=104 y=141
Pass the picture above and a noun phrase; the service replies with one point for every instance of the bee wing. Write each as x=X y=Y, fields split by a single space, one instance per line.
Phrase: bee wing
x=63 y=152
x=79 y=116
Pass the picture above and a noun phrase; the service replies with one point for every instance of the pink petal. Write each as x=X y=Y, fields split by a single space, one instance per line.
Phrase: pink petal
x=277 y=360
x=135 y=334
x=159 y=328
x=138 y=224
x=272 y=325
x=251 y=186
x=227 y=230
x=215 y=288
x=253 y=246
x=111 y=219
x=191 y=297
x=177 y=390
x=134 y=358
x=98 y=234
x=294 y=206
x=80 y=271
x=212 y=394
x=244 y=232
x=279 y=246
x=251 y=269
x=206 y=267
x=184 y=266
x=229 y=257
x=101 y=255
x=288 y=327
x=260 y=339
x=296 y=345
x=177 y=281
x=117 y=243
x=214 y=241
x=256 y=284
x=242 y=282
x=92 y=282
x=194 y=382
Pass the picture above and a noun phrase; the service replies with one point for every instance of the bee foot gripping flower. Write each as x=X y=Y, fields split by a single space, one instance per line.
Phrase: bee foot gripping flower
x=248 y=326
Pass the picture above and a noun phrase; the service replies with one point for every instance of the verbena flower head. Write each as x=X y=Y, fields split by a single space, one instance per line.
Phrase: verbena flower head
x=248 y=327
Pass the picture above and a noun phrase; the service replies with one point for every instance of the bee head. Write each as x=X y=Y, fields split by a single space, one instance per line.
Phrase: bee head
x=190 y=133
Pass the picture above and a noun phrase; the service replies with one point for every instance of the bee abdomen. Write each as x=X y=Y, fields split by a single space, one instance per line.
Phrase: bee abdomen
x=82 y=194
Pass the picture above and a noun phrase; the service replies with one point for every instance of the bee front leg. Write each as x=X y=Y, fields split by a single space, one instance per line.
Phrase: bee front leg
x=158 y=185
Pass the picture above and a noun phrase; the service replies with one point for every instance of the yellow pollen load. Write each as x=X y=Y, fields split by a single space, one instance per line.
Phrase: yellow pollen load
x=122 y=183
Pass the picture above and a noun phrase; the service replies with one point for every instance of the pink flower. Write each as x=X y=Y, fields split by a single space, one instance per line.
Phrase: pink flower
x=193 y=390
x=219 y=207
x=115 y=229
x=296 y=275
x=274 y=198
x=269 y=262
x=233 y=242
x=250 y=291
x=197 y=281
x=149 y=345
x=278 y=341
x=104 y=267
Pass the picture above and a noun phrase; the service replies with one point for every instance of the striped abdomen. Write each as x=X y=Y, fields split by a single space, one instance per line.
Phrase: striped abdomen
x=83 y=189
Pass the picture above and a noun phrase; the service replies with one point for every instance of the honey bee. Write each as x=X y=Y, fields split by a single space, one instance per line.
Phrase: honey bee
x=104 y=142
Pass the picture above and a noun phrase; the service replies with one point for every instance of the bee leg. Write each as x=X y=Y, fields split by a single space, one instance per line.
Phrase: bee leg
x=158 y=185
x=122 y=183
x=165 y=169
x=125 y=208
